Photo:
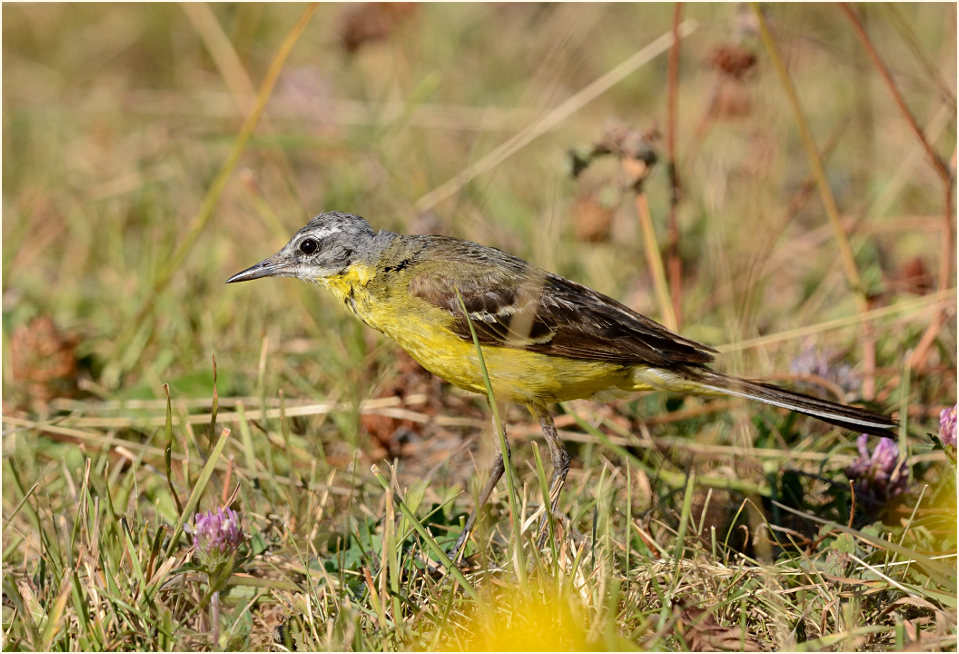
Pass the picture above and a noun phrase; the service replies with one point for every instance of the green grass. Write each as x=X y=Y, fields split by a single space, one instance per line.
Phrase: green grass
x=685 y=524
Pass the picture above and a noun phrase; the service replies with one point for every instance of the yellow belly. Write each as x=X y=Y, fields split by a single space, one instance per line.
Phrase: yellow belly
x=515 y=374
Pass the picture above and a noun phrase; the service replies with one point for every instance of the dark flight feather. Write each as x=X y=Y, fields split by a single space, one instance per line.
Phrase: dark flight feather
x=514 y=304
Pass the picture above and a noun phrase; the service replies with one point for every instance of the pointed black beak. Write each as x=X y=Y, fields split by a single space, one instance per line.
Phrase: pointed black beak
x=266 y=268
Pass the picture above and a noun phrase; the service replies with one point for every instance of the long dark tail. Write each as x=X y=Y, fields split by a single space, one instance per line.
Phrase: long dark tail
x=841 y=415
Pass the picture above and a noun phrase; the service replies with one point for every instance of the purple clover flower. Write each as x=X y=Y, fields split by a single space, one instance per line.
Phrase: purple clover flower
x=813 y=362
x=947 y=427
x=217 y=535
x=216 y=538
x=878 y=475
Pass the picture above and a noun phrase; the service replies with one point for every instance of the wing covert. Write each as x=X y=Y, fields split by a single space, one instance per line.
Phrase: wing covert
x=513 y=304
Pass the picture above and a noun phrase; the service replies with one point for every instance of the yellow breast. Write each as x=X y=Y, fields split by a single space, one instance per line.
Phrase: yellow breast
x=422 y=330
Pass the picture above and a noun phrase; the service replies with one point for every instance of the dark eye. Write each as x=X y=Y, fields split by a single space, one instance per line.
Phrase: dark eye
x=309 y=246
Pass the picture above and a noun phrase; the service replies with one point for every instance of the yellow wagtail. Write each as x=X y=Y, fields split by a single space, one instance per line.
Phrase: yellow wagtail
x=544 y=338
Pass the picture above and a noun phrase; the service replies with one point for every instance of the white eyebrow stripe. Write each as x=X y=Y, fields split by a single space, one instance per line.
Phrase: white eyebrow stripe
x=323 y=233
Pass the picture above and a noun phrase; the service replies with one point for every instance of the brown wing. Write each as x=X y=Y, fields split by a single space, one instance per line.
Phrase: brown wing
x=513 y=304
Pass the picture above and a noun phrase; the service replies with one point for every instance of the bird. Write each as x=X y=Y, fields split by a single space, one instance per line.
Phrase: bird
x=544 y=339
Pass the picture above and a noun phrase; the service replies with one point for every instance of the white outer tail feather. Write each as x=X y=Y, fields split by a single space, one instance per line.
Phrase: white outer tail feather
x=709 y=382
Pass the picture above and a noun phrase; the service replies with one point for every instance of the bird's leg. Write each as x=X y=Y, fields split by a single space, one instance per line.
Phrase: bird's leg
x=560 y=458
x=494 y=477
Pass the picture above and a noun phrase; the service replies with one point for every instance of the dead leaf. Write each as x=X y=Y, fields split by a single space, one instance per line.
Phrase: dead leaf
x=372 y=21
x=44 y=362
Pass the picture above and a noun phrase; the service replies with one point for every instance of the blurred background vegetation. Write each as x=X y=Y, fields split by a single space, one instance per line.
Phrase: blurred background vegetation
x=117 y=121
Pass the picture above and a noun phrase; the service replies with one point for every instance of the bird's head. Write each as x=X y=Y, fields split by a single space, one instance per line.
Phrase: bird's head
x=326 y=246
